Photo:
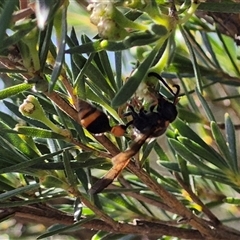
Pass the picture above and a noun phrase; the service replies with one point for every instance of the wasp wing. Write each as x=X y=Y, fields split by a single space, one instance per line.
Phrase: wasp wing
x=120 y=161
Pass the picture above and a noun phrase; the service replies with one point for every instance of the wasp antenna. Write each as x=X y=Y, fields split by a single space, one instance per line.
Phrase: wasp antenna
x=156 y=75
x=176 y=95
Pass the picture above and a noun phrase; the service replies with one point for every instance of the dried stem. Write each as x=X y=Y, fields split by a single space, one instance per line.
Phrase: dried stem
x=39 y=214
x=45 y=214
x=63 y=105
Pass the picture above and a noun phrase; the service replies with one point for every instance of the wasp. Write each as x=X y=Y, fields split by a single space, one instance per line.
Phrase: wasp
x=148 y=124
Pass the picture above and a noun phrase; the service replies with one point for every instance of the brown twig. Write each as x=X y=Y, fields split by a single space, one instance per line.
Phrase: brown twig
x=69 y=89
x=44 y=214
x=63 y=105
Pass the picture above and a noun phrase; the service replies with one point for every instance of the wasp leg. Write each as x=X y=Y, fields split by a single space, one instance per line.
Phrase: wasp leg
x=132 y=112
x=152 y=107
x=142 y=112
x=129 y=123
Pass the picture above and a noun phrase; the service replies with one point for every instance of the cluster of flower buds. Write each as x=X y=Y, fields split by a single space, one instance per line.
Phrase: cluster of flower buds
x=104 y=16
x=113 y=25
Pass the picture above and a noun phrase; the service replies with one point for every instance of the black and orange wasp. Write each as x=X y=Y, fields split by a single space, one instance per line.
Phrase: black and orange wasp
x=150 y=123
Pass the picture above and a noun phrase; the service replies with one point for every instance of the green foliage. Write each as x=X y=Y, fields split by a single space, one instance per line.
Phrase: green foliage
x=49 y=161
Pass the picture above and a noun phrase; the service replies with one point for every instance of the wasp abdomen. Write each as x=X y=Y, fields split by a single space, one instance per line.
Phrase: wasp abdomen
x=92 y=118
